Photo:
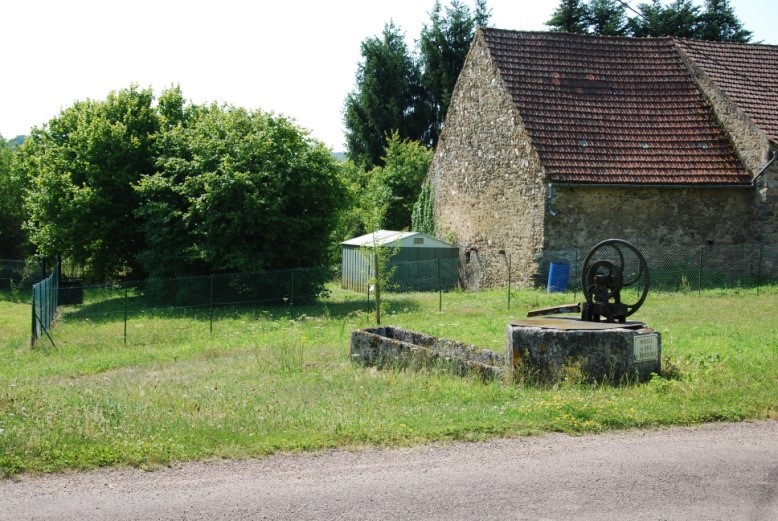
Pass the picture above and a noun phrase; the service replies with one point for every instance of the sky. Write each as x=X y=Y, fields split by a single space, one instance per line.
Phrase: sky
x=296 y=58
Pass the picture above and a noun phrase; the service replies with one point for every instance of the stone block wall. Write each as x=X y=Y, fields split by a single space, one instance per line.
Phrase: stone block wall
x=750 y=143
x=672 y=216
x=487 y=179
x=767 y=203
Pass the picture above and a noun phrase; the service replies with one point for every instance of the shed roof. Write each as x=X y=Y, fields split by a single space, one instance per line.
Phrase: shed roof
x=613 y=110
x=394 y=238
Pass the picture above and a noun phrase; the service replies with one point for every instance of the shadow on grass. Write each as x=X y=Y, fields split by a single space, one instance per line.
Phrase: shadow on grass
x=136 y=306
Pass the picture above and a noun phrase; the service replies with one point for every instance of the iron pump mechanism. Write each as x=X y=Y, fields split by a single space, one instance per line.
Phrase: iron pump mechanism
x=615 y=283
x=614 y=279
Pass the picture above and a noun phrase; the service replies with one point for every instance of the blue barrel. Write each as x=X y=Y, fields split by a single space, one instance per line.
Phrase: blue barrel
x=558 y=275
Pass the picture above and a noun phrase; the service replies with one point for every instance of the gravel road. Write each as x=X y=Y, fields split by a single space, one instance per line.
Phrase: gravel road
x=711 y=472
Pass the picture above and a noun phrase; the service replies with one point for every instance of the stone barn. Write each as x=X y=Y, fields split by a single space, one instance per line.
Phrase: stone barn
x=556 y=140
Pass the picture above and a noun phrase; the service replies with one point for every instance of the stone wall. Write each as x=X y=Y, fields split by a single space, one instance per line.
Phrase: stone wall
x=750 y=143
x=673 y=216
x=487 y=179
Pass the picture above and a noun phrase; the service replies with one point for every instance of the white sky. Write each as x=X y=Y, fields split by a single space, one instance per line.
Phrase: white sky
x=292 y=57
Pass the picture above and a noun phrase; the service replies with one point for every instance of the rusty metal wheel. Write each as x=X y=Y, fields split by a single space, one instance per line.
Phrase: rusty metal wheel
x=615 y=277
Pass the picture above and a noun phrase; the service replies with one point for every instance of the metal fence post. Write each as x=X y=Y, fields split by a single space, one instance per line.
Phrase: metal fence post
x=210 y=302
x=759 y=267
x=575 y=270
x=699 y=273
x=125 y=315
x=440 y=290
x=33 y=331
x=509 y=282
x=377 y=288
x=291 y=299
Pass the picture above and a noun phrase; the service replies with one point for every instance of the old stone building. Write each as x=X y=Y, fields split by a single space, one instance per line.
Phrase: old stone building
x=557 y=140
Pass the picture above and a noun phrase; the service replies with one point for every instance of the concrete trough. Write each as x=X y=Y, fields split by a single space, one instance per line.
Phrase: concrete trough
x=391 y=346
x=551 y=349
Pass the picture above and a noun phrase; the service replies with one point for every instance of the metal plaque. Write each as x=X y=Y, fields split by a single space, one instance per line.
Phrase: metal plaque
x=646 y=348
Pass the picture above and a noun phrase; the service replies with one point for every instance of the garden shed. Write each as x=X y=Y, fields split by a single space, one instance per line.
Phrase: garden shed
x=418 y=261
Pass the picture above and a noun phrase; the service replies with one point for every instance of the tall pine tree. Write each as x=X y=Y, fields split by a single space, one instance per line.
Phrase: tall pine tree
x=571 y=16
x=443 y=46
x=388 y=97
x=718 y=22
x=680 y=18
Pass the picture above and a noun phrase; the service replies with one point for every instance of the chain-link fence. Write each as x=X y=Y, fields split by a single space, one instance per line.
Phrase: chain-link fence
x=45 y=298
x=205 y=297
x=18 y=276
x=213 y=297
x=676 y=268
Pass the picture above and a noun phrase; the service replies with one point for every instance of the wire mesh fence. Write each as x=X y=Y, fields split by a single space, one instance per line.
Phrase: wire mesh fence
x=680 y=268
x=18 y=276
x=205 y=298
x=214 y=297
x=44 y=304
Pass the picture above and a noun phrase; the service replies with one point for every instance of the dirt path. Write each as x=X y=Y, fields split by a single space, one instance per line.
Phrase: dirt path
x=724 y=471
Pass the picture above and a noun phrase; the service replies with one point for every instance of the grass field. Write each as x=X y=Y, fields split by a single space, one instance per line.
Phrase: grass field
x=280 y=379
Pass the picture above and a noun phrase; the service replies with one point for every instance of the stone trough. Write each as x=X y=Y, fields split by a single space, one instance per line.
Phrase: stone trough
x=545 y=351
x=395 y=347
x=548 y=349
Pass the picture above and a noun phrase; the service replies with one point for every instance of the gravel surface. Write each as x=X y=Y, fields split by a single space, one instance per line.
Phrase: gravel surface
x=711 y=472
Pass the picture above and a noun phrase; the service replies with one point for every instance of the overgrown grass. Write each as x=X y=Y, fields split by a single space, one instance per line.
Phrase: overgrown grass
x=280 y=379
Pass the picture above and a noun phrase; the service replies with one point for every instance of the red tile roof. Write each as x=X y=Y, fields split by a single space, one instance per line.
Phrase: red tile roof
x=609 y=110
x=746 y=72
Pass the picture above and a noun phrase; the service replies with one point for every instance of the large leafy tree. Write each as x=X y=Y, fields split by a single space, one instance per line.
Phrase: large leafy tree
x=397 y=184
x=12 y=238
x=238 y=190
x=387 y=98
x=443 y=46
x=80 y=169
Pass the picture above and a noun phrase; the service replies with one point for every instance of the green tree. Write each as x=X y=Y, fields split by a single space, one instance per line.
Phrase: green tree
x=718 y=22
x=681 y=19
x=236 y=191
x=80 y=169
x=12 y=238
x=443 y=46
x=570 y=16
x=606 y=18
x=388 y=97
x=394 y=188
